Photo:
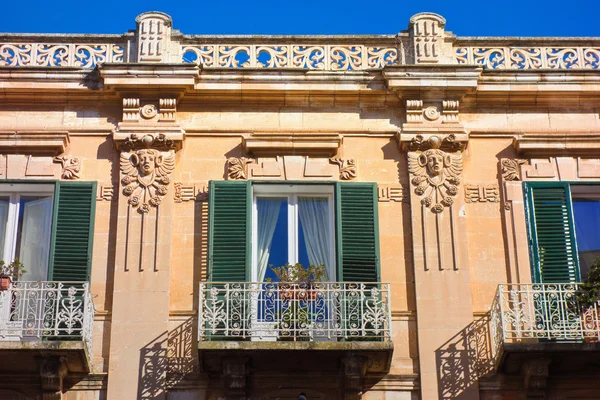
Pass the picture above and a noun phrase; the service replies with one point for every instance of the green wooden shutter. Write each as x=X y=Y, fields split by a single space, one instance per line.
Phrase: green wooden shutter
x=553 y=248
x=72 y=231
x=357 y=232
x=229 y=231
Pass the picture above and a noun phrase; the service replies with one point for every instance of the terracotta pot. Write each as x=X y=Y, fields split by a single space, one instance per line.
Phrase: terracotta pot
x=5 y=282
x=295 y=292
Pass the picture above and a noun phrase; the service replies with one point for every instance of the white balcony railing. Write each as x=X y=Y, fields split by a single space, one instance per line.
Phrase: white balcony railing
x=42 y=310
x=543 y=311
x=280 y=311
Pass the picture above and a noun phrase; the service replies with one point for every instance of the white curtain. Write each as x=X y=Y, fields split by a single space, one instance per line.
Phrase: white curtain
x=3 y=219
x=314 y=215
x=35 y=238
x=268 y=213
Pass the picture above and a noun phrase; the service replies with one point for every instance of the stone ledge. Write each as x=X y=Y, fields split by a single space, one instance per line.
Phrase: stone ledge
x=534 y=145
x=26 y=354
x=295 y=346
x=34 y=142
x=292 y=143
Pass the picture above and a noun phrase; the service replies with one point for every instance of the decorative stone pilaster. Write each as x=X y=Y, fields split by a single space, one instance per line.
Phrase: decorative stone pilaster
x=427 y=34
x=153 y=37
x=52 y=372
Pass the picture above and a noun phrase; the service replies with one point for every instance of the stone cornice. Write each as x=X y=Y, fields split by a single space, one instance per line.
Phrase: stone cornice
x=161 y=77
x=543 y=145
x=264 y=144
x=34 y=142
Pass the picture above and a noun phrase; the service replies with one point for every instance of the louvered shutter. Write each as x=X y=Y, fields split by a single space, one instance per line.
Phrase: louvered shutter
x=357 y=232
x=72 y=231
x=229 y=231
x=552 y=235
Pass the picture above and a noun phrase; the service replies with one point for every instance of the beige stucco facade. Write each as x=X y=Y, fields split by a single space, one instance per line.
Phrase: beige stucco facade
x=491 y=112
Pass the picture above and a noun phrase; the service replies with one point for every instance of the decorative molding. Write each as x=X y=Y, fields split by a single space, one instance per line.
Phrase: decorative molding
x=159 y=142
x=450 y=111
x=71 y=167
x=105 y=193
x=421 y=142
x=146 y=171
x=167 y=109
x=435 y=173
x=190 y=192
x=511 y=169
x=557 y=144
x=237 y=168
x=149 y=111
x=29 y=142
x=131 y=109
x=347 y=168
x=272 y=144
x=482 y=193
x=387 y=193
x=414 y=111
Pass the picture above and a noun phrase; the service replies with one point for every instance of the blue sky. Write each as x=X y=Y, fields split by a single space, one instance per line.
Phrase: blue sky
x=464 y=18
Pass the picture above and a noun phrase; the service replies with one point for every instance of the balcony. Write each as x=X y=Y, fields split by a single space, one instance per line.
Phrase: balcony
x=46 y=323
x=270 y=326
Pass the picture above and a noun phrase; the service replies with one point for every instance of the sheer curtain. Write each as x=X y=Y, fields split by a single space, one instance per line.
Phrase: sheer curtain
x=268 y=213
x=3 y=219
x=314 y=216
x=35 y=238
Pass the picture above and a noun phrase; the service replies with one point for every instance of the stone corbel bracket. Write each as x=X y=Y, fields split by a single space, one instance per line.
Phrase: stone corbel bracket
x=422 y=142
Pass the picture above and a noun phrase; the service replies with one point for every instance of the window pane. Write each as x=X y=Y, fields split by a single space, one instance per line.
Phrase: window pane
x=4 y=203
x=33 y=236
x=315 y=239
x=272 y=235
x=586 y=210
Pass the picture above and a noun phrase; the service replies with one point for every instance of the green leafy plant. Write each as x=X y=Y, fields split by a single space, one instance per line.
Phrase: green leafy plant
x=589 y=292
x=296 y=273
x=14 y=270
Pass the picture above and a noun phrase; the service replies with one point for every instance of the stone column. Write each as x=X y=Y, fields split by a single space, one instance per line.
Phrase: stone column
x=442 y=280
x=140 y=312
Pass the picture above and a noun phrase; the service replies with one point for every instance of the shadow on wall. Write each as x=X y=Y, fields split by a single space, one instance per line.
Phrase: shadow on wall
x=463 y=359
x=166 y=361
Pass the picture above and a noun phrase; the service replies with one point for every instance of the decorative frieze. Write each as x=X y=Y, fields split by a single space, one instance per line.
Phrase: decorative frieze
x=482 y=193
x=105 y=192
x=388 y=193
x=146 y=171
x=190 y=192
x=290 y=168
x=71 y=167
x=435 y=173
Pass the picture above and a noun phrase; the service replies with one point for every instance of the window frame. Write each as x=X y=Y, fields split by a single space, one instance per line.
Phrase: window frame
x=292 y=191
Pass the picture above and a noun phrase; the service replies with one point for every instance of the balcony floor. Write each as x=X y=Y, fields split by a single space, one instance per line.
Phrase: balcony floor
x=25 y=355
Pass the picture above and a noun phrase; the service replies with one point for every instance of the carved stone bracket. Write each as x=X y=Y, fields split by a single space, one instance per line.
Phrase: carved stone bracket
x=235 y=372
x=511 y=169
x=71 y=166
x=52 y=371
x=535 y=377
x=435 y=173
x=146 y=170
x=353 y=372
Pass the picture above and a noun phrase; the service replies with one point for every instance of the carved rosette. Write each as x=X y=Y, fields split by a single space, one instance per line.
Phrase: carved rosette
x=435 y=173
x=146 y=170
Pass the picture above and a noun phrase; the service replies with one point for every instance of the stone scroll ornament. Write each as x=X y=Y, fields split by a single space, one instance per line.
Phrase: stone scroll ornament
x=435 y=175
x=146 y=174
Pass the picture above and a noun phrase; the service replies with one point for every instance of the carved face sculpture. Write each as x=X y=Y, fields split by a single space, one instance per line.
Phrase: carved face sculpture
x=435 y=160
x=147 y=160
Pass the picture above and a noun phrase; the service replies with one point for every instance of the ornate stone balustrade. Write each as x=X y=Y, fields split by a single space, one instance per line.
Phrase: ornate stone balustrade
x=552 y=54
x=544 y=311
x=424 y=42
x=291 y=312
x=41 y=310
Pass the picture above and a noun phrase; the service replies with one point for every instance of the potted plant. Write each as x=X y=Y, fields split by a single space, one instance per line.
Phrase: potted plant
x=588 y=298
x=296 y=291
x=297 y=282
x=10 y=272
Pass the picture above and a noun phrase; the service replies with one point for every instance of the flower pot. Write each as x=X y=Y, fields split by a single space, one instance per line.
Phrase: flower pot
x=5 y=282
x=297 y=292
x=590 y=322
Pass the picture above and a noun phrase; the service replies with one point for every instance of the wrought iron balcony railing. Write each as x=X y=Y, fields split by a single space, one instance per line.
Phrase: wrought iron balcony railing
x=324 y=311
x=43 y=310
x=542 y=311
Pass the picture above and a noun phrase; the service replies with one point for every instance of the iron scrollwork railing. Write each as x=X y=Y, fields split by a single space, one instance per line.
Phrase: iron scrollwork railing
x=284 y=311
x=545 y=311
x=40 y=310
x=82 y=55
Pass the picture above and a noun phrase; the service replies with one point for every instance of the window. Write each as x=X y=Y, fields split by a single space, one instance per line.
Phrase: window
x=253 y=225
x=564 y=226
x=49 y=227
x=292 y=224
